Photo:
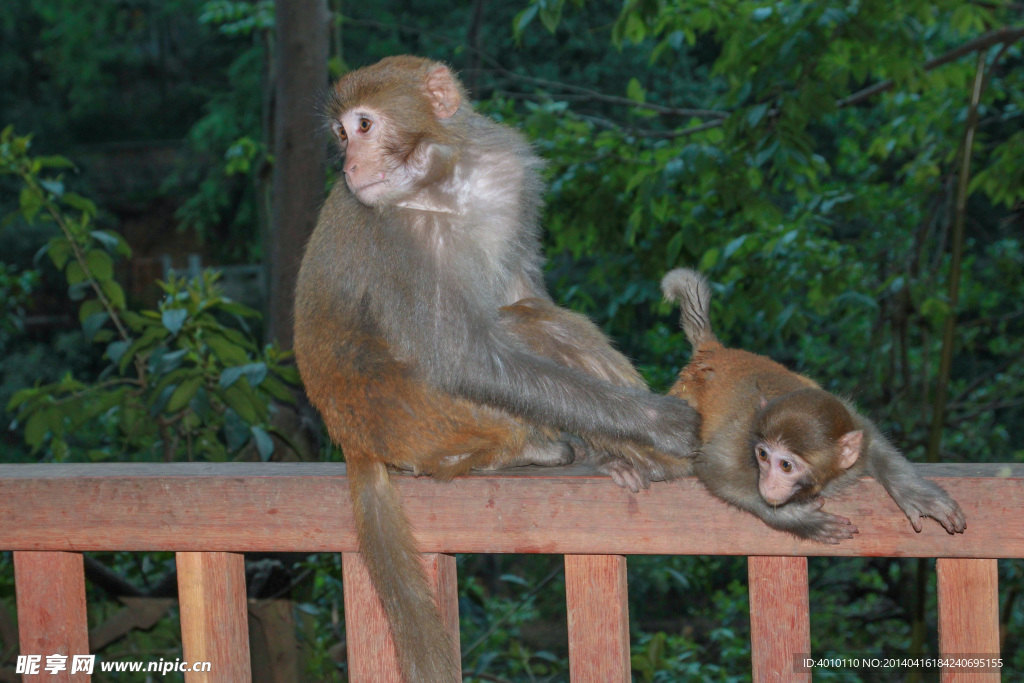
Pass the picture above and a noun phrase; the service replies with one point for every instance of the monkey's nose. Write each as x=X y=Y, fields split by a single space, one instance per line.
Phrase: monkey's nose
x=350 y=169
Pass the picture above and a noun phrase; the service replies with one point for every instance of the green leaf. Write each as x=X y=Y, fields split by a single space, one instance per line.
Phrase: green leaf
x=635 y=91
x=54 y=162
x=76 y=201
x=935 y=309
x=112 y=242
x=36 y=428
x=183 y=394
x=236 y=430
x=150 y=337
x=675 y=245
x=114 y=293
x=264 y=444
x=160 y=402
x=20 y=397
x=174 y=378
x=756 y=113
x=75 y=274
x=100 y=264
x=708 y=261
x=227 y=352
x=523 y=20
x=173 y=319
x=289 y=373
x=54 y=187
x=93 y=323
x=239 y=400
x=733 y=246
x=277 y=389
x=30 y=202
x=551 y=14
x=254 y=372
x=90 y=307
x=115 y=350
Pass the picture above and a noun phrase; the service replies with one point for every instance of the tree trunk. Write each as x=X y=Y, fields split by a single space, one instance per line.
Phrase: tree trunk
x=298 y=187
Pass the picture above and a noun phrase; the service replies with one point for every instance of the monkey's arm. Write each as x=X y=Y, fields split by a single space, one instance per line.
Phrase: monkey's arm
x=917 y=497
x=505 y=375
x=805 y=520
x=473 y=356
x=735 y=482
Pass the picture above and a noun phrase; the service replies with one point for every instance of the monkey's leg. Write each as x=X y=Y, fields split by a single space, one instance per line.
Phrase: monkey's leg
x=568 y=338
x=538 y=452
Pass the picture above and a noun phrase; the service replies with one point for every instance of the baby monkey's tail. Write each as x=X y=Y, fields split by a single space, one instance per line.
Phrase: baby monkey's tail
x=692 y=291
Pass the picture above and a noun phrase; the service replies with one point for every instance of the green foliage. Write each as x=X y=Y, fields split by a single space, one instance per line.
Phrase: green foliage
x=238 y=18
x=492 y=624
x=15 y=292
x=183 y=381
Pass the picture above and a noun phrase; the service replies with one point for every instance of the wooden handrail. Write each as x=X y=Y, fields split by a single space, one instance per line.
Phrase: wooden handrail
x=206 y=512
x=305 y=507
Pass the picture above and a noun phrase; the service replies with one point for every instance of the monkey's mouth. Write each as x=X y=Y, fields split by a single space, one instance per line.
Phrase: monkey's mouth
x=363 y=188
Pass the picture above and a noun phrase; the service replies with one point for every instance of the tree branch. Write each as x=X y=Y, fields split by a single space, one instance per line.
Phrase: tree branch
x=1005 y=36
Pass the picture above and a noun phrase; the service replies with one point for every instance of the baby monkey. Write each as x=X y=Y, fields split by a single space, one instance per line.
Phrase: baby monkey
x=774 y=442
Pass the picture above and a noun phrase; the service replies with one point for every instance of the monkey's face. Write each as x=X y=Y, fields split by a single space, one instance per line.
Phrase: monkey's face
x=362 y=134
x=782 y=473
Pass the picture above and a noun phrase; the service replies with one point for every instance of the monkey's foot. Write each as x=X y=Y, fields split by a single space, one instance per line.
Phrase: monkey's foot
x=625 y=475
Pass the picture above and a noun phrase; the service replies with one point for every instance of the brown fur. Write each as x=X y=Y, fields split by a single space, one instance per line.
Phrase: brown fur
x=744 y=398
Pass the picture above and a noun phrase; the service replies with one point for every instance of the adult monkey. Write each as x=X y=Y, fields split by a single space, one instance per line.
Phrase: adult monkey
x=427 y=341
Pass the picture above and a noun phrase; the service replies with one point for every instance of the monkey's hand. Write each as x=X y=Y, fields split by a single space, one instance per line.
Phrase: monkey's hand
x=929 y=500
x=675 y=426
x=808 y=520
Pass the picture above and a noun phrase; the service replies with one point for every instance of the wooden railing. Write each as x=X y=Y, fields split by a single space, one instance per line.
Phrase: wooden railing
x=209 y=513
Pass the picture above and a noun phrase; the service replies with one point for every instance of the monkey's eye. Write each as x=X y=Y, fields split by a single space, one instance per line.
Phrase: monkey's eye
x=762 y=454
x=340 y=130
x=787 y=466
x=365 y=125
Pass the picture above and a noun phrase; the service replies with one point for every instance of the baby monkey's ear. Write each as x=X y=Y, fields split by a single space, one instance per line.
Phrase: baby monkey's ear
x=849 y=446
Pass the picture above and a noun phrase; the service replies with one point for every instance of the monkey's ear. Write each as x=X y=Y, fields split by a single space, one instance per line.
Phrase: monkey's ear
x=849 y=448
x=442 y=92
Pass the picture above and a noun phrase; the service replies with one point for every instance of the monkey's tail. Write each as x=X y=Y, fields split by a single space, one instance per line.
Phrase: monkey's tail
x=425 y=650
x=693 y=293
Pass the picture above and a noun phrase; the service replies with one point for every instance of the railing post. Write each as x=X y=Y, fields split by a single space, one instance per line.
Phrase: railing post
x=780 y=622
x=968 y=614
x=371 y=651
x=214 y=615
x=598 y=606
x=50 y=589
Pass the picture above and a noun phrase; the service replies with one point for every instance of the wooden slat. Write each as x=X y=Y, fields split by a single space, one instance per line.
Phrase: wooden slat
x=968 y=614
x=779 y=617
x=598 y=606
x=50 y=588
x=371 y=651
x=301 y=507
x=214 y=615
